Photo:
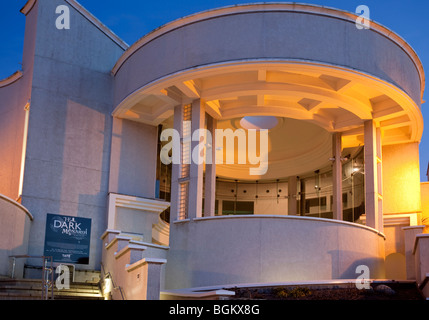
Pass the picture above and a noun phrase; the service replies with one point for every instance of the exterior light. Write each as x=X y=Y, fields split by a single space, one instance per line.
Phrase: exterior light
x=259 y=122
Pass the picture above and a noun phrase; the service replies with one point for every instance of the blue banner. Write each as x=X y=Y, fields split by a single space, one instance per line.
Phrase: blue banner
x=67 y=238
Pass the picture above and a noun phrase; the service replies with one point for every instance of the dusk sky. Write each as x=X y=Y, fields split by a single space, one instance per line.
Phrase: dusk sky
x=132 y=19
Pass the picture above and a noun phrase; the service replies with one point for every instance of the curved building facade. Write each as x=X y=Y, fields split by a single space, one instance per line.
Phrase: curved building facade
x=259 y=143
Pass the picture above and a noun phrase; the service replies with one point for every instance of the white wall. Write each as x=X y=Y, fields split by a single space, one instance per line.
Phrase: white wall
x=133 y=158
x=70 y=125
x=254 y=249
x=268 y=32
x=15 y=222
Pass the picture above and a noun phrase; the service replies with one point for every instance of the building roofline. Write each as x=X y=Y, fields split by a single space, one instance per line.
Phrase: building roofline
x=27 y=7
x=17 y=204
x=272 y=6
x=11 y=79
x=89 y=16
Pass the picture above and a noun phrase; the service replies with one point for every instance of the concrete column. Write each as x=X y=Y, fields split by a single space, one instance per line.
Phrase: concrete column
x=153 y=277
x=195 y=199
x=210 y=176
x=176 y=168
x=337 y=177
x=373 y=196
x=108 y=236
x=410 y=234
x=292 y=190
x=111 y=211
x=379 y=158
x=220 y=207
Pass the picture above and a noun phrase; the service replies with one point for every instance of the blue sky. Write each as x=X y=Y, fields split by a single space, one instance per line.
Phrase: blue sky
x=131 y=19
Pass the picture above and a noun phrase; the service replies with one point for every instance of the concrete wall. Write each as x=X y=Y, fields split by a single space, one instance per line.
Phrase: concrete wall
x=14 y=96
x=133 y=159
x=68 y=151
x=136 y=268
x=424 y=188
x=417 y=254
x=421 y=256
x=265 y=32
x=12 y=116
x=136 y=222
x=15 y=222
x=401 y=195
x=254 y=249
x=410 y=234
x=401 y=179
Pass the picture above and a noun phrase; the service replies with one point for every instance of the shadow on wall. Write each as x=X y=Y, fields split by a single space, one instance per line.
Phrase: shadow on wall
x=91 y=128
x=68 y=150
x=367 y=268
x=67 y=166
x=375 y=271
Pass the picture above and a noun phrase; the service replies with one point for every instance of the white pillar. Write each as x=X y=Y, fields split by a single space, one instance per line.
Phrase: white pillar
x=373 y=176
x=379 y=158
x=153 y=277
x=176 y=168
x=210 y=176
x=337 y=178
x=196 y=170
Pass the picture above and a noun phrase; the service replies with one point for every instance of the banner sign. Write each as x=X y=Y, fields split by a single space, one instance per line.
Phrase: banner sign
x=67 y=238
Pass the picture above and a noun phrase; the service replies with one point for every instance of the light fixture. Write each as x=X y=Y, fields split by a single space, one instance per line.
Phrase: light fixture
x=259 y=122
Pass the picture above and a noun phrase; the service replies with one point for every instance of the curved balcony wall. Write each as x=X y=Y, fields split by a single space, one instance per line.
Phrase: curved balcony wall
x=269 y=32
x=15 y=221
x=265 y=249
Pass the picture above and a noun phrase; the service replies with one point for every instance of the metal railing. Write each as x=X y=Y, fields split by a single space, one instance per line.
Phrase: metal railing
x=108 y=275
x=47 y=273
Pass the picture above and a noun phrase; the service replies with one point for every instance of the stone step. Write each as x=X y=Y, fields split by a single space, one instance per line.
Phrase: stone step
x=71 y=290
x=32 y=289
x=13 y=296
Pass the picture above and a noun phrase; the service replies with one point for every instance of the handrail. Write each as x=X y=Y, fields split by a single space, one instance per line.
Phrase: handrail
x=109 y=275
x=46 y=282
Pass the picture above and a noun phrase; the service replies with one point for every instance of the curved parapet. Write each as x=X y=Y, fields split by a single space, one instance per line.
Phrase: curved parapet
x=287 y=60
x=11 y=79
x=161 y=232
x=15 y=222
x=262 y=249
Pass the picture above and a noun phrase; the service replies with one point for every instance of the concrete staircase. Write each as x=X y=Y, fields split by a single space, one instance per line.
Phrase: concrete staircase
x=29 y=289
